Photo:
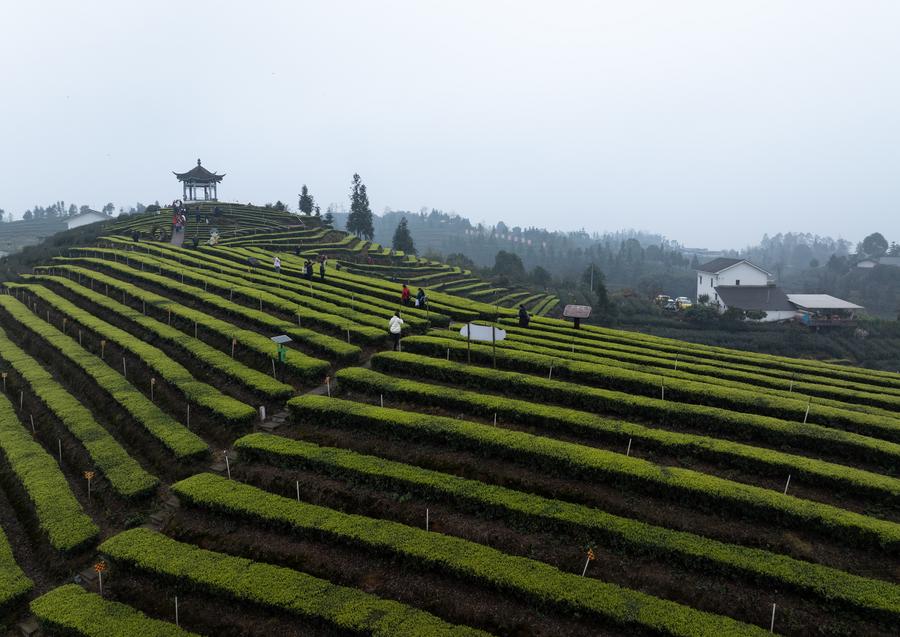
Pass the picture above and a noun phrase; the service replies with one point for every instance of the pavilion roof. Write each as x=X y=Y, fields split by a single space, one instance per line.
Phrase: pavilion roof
x=199 y=174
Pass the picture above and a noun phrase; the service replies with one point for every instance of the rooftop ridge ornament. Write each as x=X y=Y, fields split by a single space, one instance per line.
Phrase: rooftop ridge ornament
x=199 y=183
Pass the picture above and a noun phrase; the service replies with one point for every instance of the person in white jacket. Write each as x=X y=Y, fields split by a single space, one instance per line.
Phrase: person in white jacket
x=395 y=326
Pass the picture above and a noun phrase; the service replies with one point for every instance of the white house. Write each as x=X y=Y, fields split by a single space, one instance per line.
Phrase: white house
x=728 y=272
x=85 y=218
x=871 y=263
x=758 y=298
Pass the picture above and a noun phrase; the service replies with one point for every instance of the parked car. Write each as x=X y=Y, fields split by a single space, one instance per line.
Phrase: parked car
x=662 y=299
x=670 y=306
x=683 y=302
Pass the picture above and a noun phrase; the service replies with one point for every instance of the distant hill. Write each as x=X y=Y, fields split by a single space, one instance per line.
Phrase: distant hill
x=18 y=234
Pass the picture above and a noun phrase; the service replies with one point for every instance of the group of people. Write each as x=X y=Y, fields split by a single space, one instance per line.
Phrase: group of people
x=421 y=300
x=307 y=266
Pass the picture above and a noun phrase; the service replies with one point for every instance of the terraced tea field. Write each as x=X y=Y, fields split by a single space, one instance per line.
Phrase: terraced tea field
x=564 y=482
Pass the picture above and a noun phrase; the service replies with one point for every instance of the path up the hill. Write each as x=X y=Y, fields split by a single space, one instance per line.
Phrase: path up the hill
x=177 y=237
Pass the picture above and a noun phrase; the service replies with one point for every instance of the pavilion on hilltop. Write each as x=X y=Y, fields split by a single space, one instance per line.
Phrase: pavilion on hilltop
x=199 y=181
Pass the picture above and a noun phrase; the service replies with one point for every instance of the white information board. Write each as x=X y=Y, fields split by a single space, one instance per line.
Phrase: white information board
x=483 y=332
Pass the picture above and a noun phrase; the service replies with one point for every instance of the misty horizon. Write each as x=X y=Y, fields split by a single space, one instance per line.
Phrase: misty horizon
x=709 y=124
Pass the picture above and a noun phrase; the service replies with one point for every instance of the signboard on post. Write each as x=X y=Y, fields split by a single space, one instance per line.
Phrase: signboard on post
x=577 y=312
x=482 y=333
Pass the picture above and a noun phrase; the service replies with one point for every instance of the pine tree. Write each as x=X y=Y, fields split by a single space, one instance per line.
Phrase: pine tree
x=359 y=222
x=403 y=239
x=306 y=201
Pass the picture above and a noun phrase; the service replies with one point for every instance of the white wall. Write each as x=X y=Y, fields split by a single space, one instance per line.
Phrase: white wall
x=744 y=273
x=85 y=220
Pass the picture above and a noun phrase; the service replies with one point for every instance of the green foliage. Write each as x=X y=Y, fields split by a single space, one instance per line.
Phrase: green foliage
x=882 y=402
x=347 y=609
x=13 y=581
x=57 y=511
x=539 y=413
x=874 y=245
x=300 y=364
x=573 y=460
x=509 y=264
x=172 y=434
x=71 y=610
x=124 y=473
x=679 y=387
x=306 y=203
x=403 y=240
x=226 y=407
x=360 y=220
x=729 y=355
x=206 y=354
x=589 y=526
x=526 y=577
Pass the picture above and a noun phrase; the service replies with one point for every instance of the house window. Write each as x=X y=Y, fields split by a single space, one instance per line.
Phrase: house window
x=701 y=279
x=737 y=281
x=716 y=294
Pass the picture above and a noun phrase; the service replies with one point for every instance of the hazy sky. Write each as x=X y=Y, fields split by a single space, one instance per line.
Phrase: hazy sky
x=710 y=122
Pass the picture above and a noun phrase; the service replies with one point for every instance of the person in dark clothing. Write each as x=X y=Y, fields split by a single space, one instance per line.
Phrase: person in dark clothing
x=322 y=269
x=524 y=317
x=308 y=269
x=421 y=299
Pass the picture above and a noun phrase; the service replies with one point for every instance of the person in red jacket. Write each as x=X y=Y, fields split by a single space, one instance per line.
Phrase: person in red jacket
x=404 y=296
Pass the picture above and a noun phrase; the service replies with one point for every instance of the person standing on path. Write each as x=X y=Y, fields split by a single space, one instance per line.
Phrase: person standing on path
x=322 y=269
x=524 y=318
x=277 y=265
x=421 y=299
x=395 y=326
x=404 y=295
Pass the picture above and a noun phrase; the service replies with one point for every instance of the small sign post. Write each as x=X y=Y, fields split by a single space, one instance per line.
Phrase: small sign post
x=99 y=567
x=576 y=313
x=89 y=475
x=590 y=557
x=482 y=333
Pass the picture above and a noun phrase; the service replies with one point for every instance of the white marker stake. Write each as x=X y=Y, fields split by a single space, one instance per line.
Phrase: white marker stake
x=195 y=329
x=448 y=353
x=427 y=519
x=59 y=446
x=772 y=624
x=273 y=369
x=32 y=423
x=79 y=337
x=628 y=451
x=676 y=362
x=586 y=562
x=227 y=466
x=176 y=612
x=495 y=418
x=550 y=375
x=787 y=484
x=791 y=388
x=298 y=491
x=328 y=386
x=21 y=398
x=188 y=416
x=806 y=415
x=381 y=397
x=233 y=343
x=124 y=370
x=100 y=580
